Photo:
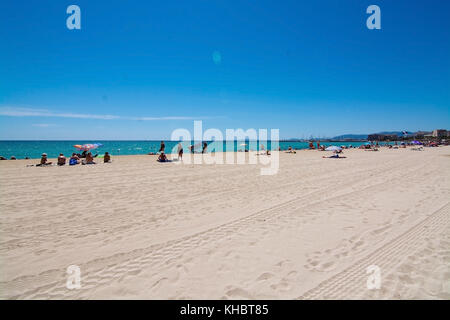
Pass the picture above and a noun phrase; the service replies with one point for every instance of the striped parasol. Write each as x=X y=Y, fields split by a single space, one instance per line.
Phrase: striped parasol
x=87 y=147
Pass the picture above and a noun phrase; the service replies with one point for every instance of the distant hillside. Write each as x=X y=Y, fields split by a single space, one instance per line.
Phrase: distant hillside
x=351 y=136
x=399 y=133
x=364 y=136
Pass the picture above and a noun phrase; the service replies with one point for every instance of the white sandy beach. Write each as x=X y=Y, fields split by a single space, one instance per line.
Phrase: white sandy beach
x=142 y=229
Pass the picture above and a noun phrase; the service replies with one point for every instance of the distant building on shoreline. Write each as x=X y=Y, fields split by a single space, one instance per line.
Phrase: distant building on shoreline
x=421 y=134
x=381 y=136
x=440 y=133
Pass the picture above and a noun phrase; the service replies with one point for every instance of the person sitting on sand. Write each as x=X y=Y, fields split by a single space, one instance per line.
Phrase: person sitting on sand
x=74 y=159
x=290 y=150
x=106 y=158
x=162 y=158
x=264 y=151
x=44 y=161
x=61 y=160
x=89 y=159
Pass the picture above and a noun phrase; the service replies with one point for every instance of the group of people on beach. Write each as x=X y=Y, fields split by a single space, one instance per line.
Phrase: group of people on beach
x=163 y=158
x=84 y=158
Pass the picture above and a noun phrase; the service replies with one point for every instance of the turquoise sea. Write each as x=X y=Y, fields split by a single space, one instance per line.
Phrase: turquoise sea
x=34 y=149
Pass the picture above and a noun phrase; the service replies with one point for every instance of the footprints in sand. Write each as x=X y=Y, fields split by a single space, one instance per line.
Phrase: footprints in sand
x=426 y=251
x=422 y=275
x=265 y=276
x=237 y=293
x=282 y=278
x=321 y=261
x=329 y=259
x=279 y=280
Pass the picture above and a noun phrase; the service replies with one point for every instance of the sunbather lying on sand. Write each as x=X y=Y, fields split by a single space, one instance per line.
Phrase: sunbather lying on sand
x=290 y=150
x=335 y=156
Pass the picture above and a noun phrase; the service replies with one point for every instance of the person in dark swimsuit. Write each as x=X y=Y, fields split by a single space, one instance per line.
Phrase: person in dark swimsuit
x=180 y=152
x=162 y=158
x=163 y=146
x=106 y=158
x=205 y=146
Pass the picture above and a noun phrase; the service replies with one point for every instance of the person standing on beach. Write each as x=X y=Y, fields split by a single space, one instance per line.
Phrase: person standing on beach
x=205 y=146
x=163 y=146
x=180 y=152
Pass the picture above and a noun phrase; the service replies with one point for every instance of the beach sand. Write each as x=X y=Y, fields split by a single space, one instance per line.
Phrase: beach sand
x=139 y=229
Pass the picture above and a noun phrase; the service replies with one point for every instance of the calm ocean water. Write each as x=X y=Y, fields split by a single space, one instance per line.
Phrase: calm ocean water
x=34 y=149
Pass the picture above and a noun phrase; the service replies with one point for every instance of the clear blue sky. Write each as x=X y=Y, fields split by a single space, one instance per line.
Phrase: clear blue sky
x=139 y=69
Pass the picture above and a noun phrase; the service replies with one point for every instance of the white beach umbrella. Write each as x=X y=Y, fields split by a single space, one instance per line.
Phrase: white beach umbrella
x=333 y=148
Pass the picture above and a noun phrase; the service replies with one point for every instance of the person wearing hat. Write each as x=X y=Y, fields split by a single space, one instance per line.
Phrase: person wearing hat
x=44 y=161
